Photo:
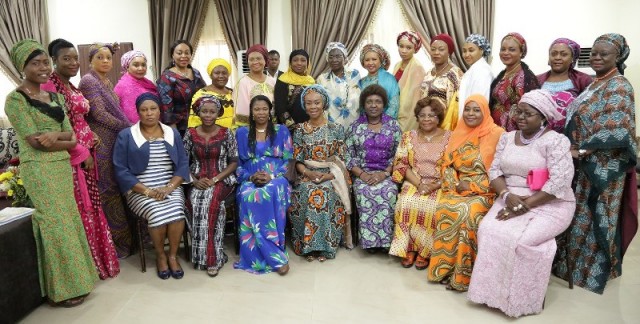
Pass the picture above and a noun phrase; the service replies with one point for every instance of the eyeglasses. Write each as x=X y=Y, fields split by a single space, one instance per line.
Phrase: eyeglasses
x=428 y=116
x=600 y=54
x=525 y=114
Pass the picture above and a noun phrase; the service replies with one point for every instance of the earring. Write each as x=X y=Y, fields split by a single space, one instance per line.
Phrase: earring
x=54 y=66
x=542 y=125
x=22 y=76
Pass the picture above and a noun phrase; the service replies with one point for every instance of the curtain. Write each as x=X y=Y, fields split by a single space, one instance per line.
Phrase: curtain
x=20 y=19
x=244 y=23
x=316 y=23
x=172 y=20
x=456 y=18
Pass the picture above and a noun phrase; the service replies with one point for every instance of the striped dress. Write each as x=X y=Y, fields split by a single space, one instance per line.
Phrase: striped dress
x=158 y=174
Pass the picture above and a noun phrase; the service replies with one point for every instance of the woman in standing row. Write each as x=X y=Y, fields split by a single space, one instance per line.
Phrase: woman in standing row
x=409 y=73
x=563 y=56
x=375 y=60
x=289 y=86
x=252 y=84
x=477 y=80
x=213 y=157
x=133 y=83
x=83 y=163
x=67 y=273
x=219 y=71
x=106 y=119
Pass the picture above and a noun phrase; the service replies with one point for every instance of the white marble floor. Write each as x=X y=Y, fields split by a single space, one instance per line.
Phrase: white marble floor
x=354 y=288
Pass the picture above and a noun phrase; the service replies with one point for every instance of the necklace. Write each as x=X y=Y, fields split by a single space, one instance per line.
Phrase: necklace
x=40 y=93
x=441 y=70
x=508 y=73
x=185 y=75
x=597 y=79
x=427 y=137
x=261 y=130
x=311 y=127
x=372 y=124
x=533 y=138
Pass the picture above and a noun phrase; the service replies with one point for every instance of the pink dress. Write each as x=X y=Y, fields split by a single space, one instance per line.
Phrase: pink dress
x=514 y=259
x=86 y=181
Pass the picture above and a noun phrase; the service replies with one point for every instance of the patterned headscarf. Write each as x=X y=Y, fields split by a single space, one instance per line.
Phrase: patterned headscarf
x=95 y=47
x=21 y=51
x=319 y=90
x=205 y=99
x=447 y=39
x=218 y=62
x=411 y=36
x=147 y=96
x=573 y=46
x=382 y=53
x=543 y=101
x=127 y=57
x=335 y=45
x=620 y=43
x=481 y=42
x=520 y=40
x=260 y=49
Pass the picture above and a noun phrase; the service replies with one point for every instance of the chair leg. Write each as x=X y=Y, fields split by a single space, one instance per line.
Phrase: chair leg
x=187 y=246
x=143 y=263
x=236 y=233
x=569 y=264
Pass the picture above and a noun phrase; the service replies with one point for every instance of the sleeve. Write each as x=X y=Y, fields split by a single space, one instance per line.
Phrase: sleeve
x=194 y=121
x=352 y=157
x=232 y=148
x=187 y=142
x=98 y=105
x=449 y=172
x=182 y=167
x=66 y=124
x=496 y=171
x=340 y=149
x=397 y=136
x=287 y=151
x=166 y=89
x=298 y=145
x=394 y=101
x=401 y=159
x=15 y=108
x=281 y=103
x=560 y=165
x=125 y=178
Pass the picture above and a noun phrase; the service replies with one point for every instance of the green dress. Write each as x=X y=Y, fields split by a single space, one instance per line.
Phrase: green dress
x=64 y=259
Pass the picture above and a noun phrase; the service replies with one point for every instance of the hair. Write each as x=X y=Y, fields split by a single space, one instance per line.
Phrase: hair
x=274 y=52
x=173 y=48
x=271 y=129
x=33 y=55
x=436 y=106
x=56 y=45
x=371 y=90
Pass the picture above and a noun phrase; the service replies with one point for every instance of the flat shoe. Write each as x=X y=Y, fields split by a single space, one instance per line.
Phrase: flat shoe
x=283 y=270
x=164 y=275
x=212 y=272
x=421 y=263
x=322 y=258
x=176 y=274
x=408 y=261
x=310 y=258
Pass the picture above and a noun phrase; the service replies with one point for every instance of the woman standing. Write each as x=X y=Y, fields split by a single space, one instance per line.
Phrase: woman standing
x=213 y=155
x=341 y=85
x=443 y=80
x=264 y=151
x=67 y=273
x=320 y=202
x=601 y=127
x=151 y=164
x=133 y=83
x=219 y=71
x=409 y=73
x=106 y=119
x=416 y=168
x=288 y=88
x=83 y=163
x=371 y=144
x=478 y=78
x=375 y=60
x=176 y=86
x=253 y=84
x=512 y=82
x=466 y=195
x=563 y=56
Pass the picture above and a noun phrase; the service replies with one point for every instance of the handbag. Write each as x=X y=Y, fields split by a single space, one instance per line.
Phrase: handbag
x=537 y=178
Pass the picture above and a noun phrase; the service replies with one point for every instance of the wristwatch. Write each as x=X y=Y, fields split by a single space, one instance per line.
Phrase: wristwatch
x=581 y=153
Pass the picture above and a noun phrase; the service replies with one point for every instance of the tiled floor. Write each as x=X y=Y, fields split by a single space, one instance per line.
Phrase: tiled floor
x=354 y=288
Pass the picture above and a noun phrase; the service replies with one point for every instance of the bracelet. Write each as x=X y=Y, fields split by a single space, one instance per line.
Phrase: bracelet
x=170 y=185
x=504 y=198
x=146 y=192
x=387 y=173
x=215 y=180
x=502 y=192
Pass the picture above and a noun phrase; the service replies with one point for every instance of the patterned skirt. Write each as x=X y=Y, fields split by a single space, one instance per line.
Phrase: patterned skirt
x=209 y=216
x=375 y=212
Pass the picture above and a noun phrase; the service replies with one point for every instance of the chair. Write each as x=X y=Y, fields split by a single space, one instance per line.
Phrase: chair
x=142 y=223
x=232 y=220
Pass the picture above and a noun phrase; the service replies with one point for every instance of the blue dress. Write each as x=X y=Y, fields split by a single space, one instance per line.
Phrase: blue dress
x=263 y=210
x=387 y=81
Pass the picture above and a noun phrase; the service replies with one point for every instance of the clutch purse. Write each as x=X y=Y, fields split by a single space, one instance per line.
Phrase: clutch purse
x=537 y=178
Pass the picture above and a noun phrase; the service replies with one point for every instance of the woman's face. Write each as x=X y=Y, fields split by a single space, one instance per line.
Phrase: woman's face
x=528 y=118
x=256 y=62
x=38 y=69
x=603 y=58
x=472 y=114
x=219 y=76
x=427 y=119
x=182 y=56
x=373 y=106
x=102 y=61
x=471 y=53
x=439 y=52
x=299 y=64
x=336 y=60
x=406 y=49
x=510 y=52
x=372 y=62
x=149 y=113
x=560 y=58
x=67 y=62
x=208 y=113
x=260 y=111
x=138 y=67
x=314 y=105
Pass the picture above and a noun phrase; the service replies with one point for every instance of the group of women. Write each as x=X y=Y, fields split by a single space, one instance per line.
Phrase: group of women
x=465 y=175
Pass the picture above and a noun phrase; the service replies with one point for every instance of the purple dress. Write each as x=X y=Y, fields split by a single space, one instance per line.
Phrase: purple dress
x=374 y=151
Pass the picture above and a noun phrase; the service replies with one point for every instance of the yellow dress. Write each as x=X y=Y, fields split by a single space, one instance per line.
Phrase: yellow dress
x=226 y=100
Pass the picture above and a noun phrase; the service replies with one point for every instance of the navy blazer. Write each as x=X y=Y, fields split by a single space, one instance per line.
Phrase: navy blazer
x=131 y=155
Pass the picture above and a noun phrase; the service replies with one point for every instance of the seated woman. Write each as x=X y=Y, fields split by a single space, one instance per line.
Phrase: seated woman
x=264 y=151
x=150 y=164
x=416 y=168
x=516 y=238
x=219 y=71
x=213 y=159
x=466 y=195
x=320 y=204
x=371 y=144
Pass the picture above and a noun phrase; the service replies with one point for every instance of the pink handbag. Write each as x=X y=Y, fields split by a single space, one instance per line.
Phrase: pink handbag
x=537 y=178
